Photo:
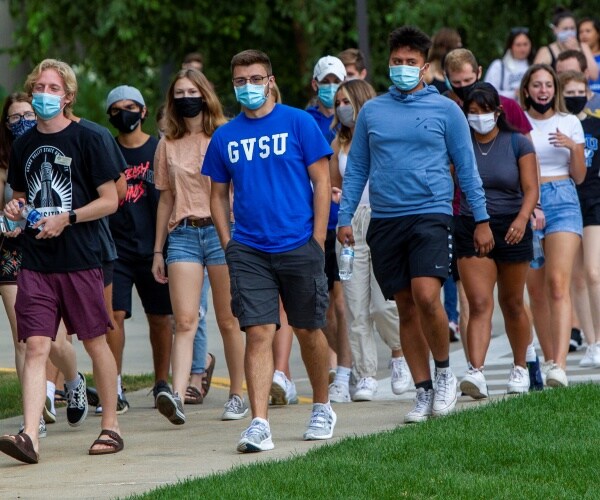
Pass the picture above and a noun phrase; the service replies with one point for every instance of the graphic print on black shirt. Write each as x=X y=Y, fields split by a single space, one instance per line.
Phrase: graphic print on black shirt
x=49 y=187
x=590 y=187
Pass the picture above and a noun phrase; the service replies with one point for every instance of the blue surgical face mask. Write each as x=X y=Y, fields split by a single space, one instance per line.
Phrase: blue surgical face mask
x=251 y=96
x=563 y=36
x=405 y=77
x=326 y=93
x=46 y=106
x=22 y=126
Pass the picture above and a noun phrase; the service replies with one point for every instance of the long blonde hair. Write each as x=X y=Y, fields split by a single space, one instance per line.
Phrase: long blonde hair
x=358 y=92
x=212 y=111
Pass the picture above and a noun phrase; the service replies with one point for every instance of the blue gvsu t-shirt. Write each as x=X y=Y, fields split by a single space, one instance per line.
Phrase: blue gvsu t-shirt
x=267 y=159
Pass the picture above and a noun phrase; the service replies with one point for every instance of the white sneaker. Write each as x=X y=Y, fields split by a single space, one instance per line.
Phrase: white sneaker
x=597 y=356
x=365 y=389
x=588 y=358
x=444 y=392
x=545 y=368
x=423 y=407
x=257 y=437
x=339 y=393
x=556 y=377
x=42 y=432
x=518 y=380
x=321 y=424
x=235 y=408
x=283 y=390
x=473 y=384
x=401 y=379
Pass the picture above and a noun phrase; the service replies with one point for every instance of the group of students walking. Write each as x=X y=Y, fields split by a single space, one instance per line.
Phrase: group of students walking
x=252 y=201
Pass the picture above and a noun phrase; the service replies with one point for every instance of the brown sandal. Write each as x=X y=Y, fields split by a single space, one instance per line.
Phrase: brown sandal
x=208 y=374
x=115 y=442
x=193 y=396
x=19 y=447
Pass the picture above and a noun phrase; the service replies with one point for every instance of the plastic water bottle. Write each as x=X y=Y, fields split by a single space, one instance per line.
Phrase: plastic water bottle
x=346 y=262
x=29 y=213
x=538 y=251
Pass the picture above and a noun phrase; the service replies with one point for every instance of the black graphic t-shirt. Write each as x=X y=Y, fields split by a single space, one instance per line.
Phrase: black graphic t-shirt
x=109 y=250
x=59 y=172
x=133 y=226
x=590 y=187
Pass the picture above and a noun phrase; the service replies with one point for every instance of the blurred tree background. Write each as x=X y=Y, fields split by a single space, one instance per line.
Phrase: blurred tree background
x=142 y=42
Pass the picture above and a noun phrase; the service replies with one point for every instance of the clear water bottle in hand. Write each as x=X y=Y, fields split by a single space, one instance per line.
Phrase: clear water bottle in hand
x=346 y=262
x=29 y=213
x=538 y=251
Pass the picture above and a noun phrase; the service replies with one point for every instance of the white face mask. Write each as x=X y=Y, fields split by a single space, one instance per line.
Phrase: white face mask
x=482 y=124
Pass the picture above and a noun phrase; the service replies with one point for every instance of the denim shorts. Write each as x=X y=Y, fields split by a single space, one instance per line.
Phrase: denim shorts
x=560 y=204
x=196 y=244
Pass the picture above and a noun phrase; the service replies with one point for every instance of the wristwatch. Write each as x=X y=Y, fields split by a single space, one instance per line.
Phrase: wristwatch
x=72 y=217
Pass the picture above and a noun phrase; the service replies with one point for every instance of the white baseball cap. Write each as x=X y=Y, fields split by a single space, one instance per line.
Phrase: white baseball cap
x=329 y=65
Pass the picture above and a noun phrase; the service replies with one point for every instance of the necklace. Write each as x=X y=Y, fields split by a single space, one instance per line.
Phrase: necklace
x=489 y=149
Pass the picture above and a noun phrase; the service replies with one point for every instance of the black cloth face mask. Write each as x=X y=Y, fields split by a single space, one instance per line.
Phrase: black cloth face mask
x=125 y=121
x=188 y=107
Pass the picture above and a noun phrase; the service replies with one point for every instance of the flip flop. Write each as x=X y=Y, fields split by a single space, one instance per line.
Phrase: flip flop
x=193 y=396
x=115 y=442
x=20 y=447
x=209 y=373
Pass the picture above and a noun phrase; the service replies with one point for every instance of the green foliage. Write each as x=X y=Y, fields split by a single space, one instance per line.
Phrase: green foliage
x=141 y=42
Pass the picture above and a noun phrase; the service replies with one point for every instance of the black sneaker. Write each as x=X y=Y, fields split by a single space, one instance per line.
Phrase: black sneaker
x=122 y=405
x=170 y=406
x=92 y=396
x=77 y=404
x=160 y=386
x=576 y=340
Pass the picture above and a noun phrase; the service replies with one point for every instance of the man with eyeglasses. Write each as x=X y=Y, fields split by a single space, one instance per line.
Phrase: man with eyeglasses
x=277 y=160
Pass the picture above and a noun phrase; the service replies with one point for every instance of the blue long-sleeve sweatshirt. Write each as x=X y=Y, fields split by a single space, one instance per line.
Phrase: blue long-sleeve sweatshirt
x=404 y=144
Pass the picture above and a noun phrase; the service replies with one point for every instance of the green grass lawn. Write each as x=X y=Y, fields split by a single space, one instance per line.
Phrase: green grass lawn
x=543 y=445
x=10 y=390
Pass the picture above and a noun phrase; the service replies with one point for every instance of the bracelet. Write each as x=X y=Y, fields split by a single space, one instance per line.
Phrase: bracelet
x=158 y=252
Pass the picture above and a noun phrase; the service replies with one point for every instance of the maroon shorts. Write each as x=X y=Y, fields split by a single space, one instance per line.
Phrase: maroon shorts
x=77 y=297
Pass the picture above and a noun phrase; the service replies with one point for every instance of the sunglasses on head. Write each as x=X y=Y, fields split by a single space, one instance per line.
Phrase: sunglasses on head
x=519 y=29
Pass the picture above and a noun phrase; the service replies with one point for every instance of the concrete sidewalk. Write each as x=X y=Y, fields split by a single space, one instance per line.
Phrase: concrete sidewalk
x=158 y=453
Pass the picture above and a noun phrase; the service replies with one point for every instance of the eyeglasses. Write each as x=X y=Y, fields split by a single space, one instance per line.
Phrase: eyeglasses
x=254 y=80
x=519 y=29
x=16 y=118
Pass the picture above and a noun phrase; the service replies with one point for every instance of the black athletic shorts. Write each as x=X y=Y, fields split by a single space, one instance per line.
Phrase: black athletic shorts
x=502 y=251
x=331 y=264
x=590 y=211
x=259 y=278
x=154 y=296
x=407 y=247
x=108 y=267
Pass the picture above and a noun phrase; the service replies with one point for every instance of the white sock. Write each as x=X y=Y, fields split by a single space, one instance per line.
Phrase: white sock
x=71 y=385
x=531 y=355
x=50 y=391
x=119 y=388
x=342 y=376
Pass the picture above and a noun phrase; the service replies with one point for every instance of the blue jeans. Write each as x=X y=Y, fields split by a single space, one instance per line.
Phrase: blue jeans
x=451 y=299
x=200 y=340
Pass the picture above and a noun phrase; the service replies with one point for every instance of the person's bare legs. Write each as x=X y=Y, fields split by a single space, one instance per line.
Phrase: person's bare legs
x=63 y=356
x=581 y=298
x=540 y=310
x=185 y=284
x=33 y=385
x=233 y=342
x=511 y=285
x=478 y=276
x=161 y=341
x=313 y=348
x=9 y=296
x=105 y=376
x=560 y=250
x=412 y=339
x=114 y=336
x=282 y=344
x=434 y=322
x=258 y=364
x=463 y=318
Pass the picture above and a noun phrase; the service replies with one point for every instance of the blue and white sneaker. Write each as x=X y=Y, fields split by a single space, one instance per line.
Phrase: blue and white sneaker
x=257 y=437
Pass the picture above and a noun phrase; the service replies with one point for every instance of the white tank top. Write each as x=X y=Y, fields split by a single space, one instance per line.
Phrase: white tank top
x=342 y=161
